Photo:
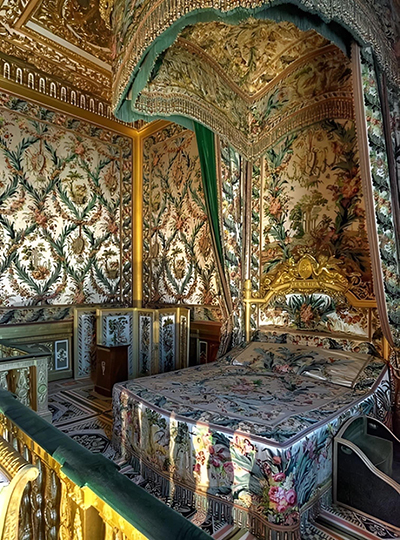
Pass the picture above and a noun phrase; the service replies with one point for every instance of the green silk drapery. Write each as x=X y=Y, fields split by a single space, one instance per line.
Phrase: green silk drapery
x=206 y=147
x=207 y=154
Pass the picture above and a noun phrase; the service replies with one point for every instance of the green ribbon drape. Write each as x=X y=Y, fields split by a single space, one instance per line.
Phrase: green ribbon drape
x=206 y=146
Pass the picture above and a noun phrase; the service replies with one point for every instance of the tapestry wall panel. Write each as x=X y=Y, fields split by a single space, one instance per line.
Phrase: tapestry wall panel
x=179 y=264
x=312 y=203
x=63 y=183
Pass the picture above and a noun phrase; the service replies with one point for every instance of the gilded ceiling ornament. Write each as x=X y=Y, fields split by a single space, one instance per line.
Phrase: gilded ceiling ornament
x=106 y=7
x=75 y=21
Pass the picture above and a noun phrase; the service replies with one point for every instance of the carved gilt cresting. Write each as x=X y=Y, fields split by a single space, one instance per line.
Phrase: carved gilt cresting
x=306 y=276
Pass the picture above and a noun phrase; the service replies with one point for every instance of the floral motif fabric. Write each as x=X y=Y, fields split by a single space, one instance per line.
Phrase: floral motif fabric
x=250 y=432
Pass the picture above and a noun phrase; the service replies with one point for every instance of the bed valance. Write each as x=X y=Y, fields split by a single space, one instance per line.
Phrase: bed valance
x=144 y=30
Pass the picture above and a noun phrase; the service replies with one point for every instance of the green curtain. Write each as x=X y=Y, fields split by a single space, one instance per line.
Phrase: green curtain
x=206 y=146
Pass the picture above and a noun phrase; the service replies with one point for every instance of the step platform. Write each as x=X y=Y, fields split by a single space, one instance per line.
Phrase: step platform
x=366 y=475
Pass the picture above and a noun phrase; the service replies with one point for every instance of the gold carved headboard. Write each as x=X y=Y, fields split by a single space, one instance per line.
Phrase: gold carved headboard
x=307 y=276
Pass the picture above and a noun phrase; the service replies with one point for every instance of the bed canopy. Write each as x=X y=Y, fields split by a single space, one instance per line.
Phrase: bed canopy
x=144 y=30
x=257 y=73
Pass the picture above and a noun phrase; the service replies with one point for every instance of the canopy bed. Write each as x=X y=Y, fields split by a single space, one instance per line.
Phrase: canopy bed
x=249 y=437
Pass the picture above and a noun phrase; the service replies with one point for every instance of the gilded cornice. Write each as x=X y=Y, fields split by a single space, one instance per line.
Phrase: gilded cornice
x=56 y=65
x=57 y=60
x=56 y=104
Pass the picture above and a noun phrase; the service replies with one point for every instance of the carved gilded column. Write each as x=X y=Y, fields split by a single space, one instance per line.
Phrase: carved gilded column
x=66 y=526
x=78 y=530
x=51 y=503
x=37 y=501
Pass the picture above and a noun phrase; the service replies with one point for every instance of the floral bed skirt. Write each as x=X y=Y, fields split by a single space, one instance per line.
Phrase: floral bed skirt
x=262 y=484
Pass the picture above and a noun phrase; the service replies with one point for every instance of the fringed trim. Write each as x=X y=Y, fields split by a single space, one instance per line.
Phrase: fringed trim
x=218 y=508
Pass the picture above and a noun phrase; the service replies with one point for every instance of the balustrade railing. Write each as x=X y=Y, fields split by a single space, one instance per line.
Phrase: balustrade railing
x=26 y=375
x=78 y=495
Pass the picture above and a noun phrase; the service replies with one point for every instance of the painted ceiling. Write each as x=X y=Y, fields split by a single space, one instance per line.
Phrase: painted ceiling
x=250 y=80
x=65 y=39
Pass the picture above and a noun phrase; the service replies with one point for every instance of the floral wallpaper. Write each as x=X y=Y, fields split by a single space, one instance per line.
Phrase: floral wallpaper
x=312 y=203
x=62 y=185
x=179 y=266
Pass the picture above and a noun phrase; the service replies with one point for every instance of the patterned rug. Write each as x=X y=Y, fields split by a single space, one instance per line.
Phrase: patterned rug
x=66 y=410
x=92 y=433
x=355 y=524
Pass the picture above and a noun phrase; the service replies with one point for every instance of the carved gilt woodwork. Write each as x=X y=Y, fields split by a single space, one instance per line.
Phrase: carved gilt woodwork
x=306 y=276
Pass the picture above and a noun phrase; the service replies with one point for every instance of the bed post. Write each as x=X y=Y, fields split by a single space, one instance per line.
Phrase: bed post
x=247 y=307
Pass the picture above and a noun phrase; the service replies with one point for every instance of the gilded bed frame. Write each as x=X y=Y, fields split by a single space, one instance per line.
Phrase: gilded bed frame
x=308 y=276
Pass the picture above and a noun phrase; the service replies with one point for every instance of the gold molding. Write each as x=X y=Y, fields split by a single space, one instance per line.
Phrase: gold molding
x=36 y=36
x=137 y=202
x=38 y=331
x=26 y=14
x=60 y=106
x=152 y=128
x=137 y=223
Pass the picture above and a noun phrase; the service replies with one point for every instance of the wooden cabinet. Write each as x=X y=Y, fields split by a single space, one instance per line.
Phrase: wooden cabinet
x=204 y=342
x=111 y=367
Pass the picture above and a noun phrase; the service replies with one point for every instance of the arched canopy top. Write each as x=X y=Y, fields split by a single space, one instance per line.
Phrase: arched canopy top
x=143 y=30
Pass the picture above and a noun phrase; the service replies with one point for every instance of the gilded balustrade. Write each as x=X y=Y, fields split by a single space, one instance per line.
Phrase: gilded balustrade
x=15 y=474
x=78 y=495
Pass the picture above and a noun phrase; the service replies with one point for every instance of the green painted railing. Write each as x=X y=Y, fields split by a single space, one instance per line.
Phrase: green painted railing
x=84 y=490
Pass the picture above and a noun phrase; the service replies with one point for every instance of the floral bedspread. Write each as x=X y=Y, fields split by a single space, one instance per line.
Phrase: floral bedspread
x=269 y=390
x=251 y=433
